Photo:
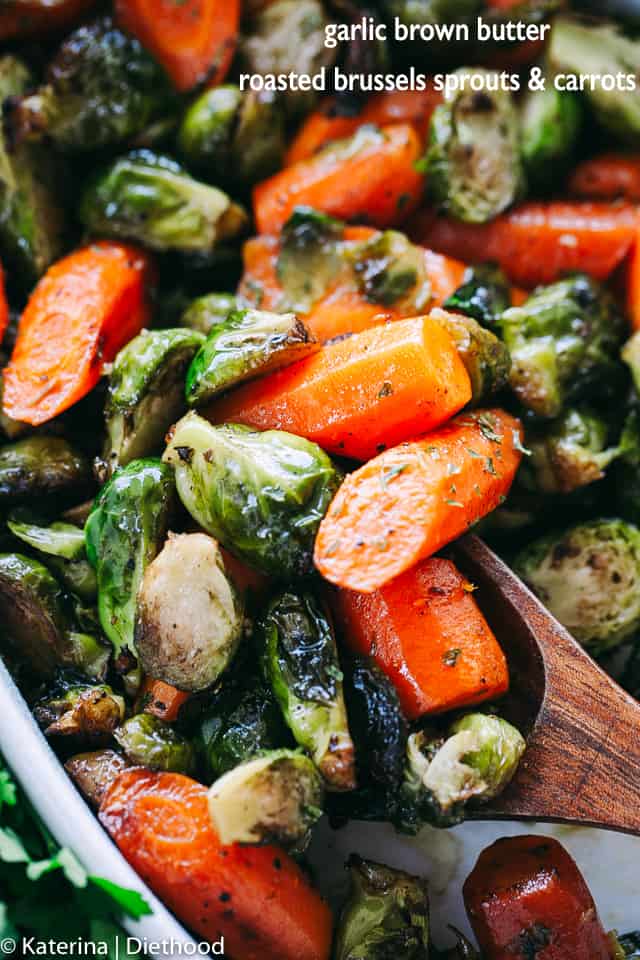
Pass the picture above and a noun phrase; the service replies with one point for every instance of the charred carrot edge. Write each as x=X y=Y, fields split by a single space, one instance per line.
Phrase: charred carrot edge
x=161 y=699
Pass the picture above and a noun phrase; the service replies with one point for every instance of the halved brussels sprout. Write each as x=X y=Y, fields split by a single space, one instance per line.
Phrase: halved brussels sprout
x=589 y=578
x=392 y=271
x=300 y=661
x=102 y=88
x=190 y=617
x=147 y=741
x=273 y=798
x=309 y=258
x=124 y=532
x=564 y=343
x=91 y=713
x=550 y=127
x=475 y=760
x=485 y=357
x=151 y=199
x=262 y=495
x=232 y=136
x=204 y=313
x=41 y=466
x=483 y=296
x=473 y=164
x=146 y=392
x=94 y=772
x=249 y=343
x=386 y=915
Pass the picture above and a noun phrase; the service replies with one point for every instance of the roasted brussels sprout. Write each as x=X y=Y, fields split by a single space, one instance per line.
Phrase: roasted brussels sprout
x=486 y=358
x=300 y=661
x=309 y=259
x=190 y=617
x=580 y=48
x=63 y=549
x=146 y=392
x=631 y=356
x=41 y=466
x=387 y=914
x=147 y=741
x=391 y=271
x=38 y=625
x=474 y=760
x=550 y=127
x=102 y=88
x=91 y=713
x=152 y=199
x=242 y=720
x=124 y=532
x=564 y=343
x=247 y=344
x=483 y=296
x=589 y=578
x=273 y=798
x=233 y=137
x=94 y=772
x=32 y=223
x=473 y=164
x=286 y=36
x=204 y=313
x=262 y=495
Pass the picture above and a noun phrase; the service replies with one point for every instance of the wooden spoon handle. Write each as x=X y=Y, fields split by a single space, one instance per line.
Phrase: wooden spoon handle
x=582 y=763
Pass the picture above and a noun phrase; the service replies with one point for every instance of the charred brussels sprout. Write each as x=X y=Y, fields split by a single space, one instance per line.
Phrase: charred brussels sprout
x=187 y=636
x=391 y=271
x=148 y=741
x=102 y=88
x=581 y=47
x=90 y=713
x=262 y=495
x=243 y=720
x=486 y=358
x=124 y=532
x=249 y=343
x=550 y=127
x=473 y=163
x=41 y=466
x=63 y=547
x=564 y=343
x=204 y=313
x=300 y=661
x=232 y=136
x=475 y=760
x=38 y=625
x=94 y=772
x=589 y=578
x=146 y=392
x=273 y=798
x=387 y=914
x=483 y=296
x=309 y=258
x=152 y=199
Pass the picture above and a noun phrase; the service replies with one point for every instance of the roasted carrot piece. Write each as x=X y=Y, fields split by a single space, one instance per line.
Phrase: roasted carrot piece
x=370 y=176
x=359 y=395
x=426 y=631
x=161 y=699
x=246 y=579
x=410 y=501
x=399 y=106
x=526 y=897
x=4 y=307
x=23 y=18
x=537 y=243
x=194 y=40
x=610 y=176
x=257 y=898
x=631 y=276
x=84 y=309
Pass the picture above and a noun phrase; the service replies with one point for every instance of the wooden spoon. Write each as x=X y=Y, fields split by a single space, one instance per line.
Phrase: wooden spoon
x=582 y=764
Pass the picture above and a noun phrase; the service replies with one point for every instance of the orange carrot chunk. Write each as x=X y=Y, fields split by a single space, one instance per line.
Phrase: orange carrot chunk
x=194 y=40
x=257 y=898
x=357 y=396
x=538 y=242
x=23 y=18
x=631 y=276
x=161 y=699
x=611 y=176
x=426 y=632
x=85 y=308
x=410 y=501
x=371 y=176
x=526 y=898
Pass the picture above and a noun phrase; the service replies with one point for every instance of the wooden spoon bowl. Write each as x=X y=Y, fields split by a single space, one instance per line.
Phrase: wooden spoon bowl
x=582 y=764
